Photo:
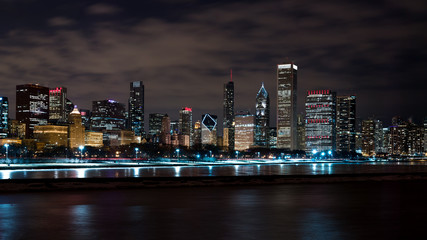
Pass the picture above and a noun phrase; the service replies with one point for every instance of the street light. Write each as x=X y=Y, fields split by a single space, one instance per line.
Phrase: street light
x=237 y=154
x=210 y=153
x=7 y=154
x=136 y=152
x=177 y=153
x=81 y=151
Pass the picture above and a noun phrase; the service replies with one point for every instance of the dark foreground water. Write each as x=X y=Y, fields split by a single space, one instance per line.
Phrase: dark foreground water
x=219 y=170
x=368 y=210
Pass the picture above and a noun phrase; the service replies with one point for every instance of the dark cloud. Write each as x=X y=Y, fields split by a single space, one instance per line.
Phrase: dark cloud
x=374 y=50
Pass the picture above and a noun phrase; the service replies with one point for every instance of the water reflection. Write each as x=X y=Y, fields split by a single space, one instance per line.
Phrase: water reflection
x=216 y=170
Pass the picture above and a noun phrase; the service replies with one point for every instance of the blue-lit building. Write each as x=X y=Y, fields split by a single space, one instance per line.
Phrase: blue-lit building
x=4 y=117
x=320 y=107
x=262 y=118
x=136 y=108
x=108 y=115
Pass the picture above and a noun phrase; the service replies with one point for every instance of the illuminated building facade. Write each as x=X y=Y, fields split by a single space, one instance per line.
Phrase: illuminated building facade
x=368 y=137
x=245 y=131
x=85 y=118
x=273 y=138
x=346 y=124
x=165 y=133
x=108 y=115
x=58 y=105
x=425 y=136
x=209 y=129
x=174 y=128
x=301 y=132
x=136 y=108
x=51 y=135
x=185 y=126
x=76 y=130
x=287 y=106
x=94 y=139
x=262 y=118
x=228 y=111
x=197 y=133
x=4 y=117
x=17 y=129
x=32 y=106
x=115 y=138
x=320 y=107
x=155 y=125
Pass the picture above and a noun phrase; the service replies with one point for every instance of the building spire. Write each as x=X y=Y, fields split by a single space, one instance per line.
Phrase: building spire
x=231 y=75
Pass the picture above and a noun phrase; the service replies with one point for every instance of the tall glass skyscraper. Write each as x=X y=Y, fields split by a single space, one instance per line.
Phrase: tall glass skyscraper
x=262 y=118
x=186 y=123
x=32 y=106
x=155 y=125
x=346 y=124
x=228 y=122
x=287 y=106
x=4 y=117
x=320 y=107
x=136 y=108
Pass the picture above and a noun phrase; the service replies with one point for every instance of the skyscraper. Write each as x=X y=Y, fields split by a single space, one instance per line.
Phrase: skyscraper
x=155 y=125
x=320 y=120
x=301 y=132
x=287 y=106
x=346 y=124
x=186 y=123
x=136 y=108
x=228 y=122
x=76 y=130
x=245 y=131
x=165 y=133
x=262 y=118
x=58 y=105
x=108 y=115
x=209 y=129
x=197 y=134
x=4 y=117
x=368 y=137
x=32 y=106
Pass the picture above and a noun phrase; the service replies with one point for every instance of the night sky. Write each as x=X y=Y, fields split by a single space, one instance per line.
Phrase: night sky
x=183 y=51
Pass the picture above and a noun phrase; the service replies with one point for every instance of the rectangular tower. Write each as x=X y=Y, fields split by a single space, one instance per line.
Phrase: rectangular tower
x=320 y=120
x=346 y=124
x=32 y=106
x=287 y=106
x=136 y=108
x=58 y=105
x=4 y=117
x=186 y=123
x=228 y=122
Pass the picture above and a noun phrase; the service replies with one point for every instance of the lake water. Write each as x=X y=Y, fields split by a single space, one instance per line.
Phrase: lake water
x=364 y=210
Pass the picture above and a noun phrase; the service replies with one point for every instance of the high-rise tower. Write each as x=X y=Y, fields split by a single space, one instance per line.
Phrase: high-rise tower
x=209 y=128
x=228 y=122
x=136 y=108
x=185 y=126
x=262 y=118
x=32 y=106
x=4 y=117
x=287 y=106
x=346 y=124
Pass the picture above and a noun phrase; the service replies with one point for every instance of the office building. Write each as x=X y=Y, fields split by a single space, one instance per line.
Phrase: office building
x=185 y=125
x=58 y=105
x=17 y=129
x=273 y=138
x=85 y=118
x=94 y=139
x=51 y=135
x=115 y=138
x=197 y=133
x=165 y=133
x=108 y=115
x=209 y=129
x=4 y=117
x=346 y=124
x=244 y=131
x=368 y=137
x=32 y=106
x=155 y=126
x=228 y=111
x=262 y=118
x=320 y=120
x=136 y=108
x=301 y=132
x=76 y=130
x=287 y=106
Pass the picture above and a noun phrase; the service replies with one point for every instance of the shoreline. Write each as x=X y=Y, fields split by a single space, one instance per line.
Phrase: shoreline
x=66 y=184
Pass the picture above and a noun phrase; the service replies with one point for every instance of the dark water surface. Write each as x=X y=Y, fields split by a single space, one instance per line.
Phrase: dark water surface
x=219 y=170
x=367 y=210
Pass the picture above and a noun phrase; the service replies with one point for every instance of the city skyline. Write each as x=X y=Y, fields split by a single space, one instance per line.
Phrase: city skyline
x=352 y=48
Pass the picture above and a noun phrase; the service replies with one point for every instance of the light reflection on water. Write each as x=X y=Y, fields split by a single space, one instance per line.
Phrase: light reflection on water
x=217 y=170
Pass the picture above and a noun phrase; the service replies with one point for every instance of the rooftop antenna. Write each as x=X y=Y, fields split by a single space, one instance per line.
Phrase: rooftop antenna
x=231 y=75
